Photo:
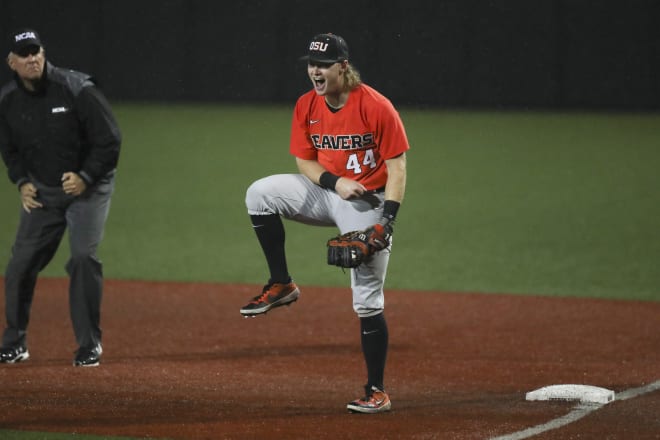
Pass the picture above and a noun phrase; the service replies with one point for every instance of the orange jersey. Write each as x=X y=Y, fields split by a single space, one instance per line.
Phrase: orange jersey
x=353 y=142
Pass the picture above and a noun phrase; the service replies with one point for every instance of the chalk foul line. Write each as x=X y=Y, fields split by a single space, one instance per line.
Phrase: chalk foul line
x=577 y=413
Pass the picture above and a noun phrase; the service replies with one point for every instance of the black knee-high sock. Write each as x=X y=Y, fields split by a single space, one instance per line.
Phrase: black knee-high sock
x=270 y=233
x=374 y=336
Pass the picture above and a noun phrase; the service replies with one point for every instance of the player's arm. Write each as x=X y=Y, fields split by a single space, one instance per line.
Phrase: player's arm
x=345 y=187
x=310 y=168
x=395 y=187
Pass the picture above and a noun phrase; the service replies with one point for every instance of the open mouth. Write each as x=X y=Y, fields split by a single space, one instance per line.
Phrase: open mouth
x=319 y=83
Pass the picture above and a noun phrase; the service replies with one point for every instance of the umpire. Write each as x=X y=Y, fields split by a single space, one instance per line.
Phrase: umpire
x=60 y=143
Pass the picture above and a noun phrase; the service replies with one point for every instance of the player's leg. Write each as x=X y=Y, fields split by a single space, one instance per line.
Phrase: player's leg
x=86 y=218
x=271 y=236
x=367 y=281
x=368 y=302
x=269 y=199
x=37 y=239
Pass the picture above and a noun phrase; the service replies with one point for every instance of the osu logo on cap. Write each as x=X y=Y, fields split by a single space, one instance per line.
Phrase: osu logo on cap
x=318 y=45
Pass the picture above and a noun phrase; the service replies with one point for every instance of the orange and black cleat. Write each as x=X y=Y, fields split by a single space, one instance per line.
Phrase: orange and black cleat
x=272 y=295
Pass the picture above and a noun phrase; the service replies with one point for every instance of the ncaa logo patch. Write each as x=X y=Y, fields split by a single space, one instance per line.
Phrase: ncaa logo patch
x=24 y=36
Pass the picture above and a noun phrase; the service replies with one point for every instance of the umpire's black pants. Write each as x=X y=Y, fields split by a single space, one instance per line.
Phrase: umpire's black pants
x=37 y=239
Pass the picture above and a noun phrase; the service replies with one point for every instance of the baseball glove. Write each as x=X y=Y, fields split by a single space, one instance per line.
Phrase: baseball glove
x=352 y=248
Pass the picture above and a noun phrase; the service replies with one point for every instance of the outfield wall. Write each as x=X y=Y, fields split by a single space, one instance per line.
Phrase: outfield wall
x=559 y=54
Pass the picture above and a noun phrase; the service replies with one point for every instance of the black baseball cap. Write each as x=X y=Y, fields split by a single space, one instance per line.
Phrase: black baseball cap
x=327 y=48
x=22 y=39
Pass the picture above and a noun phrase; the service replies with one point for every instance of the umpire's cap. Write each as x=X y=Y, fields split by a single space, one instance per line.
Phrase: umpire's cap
x=327 y=48
x=22 y=39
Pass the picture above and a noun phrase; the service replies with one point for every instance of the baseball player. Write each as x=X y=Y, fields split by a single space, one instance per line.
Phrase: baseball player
x=350 y=148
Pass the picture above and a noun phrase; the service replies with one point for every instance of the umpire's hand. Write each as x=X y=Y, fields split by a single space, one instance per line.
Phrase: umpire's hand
x=73 y=184
x=28 y=193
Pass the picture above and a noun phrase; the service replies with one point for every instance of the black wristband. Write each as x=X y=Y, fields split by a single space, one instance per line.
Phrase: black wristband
x=390 y=209
x=328 y=180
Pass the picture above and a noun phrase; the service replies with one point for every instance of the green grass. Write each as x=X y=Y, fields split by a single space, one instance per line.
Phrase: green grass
x=539 y=203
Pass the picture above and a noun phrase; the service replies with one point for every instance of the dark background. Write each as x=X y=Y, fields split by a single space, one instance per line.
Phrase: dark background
x=529 y=54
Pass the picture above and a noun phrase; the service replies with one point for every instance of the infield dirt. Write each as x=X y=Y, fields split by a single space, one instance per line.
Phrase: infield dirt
x=180 y=362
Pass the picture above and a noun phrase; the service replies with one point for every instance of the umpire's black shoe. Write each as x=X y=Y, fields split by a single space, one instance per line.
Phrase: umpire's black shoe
x=12 y=355
x=88 y=357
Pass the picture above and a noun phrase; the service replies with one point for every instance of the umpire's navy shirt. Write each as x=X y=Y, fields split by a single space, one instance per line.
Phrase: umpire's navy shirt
x=65 y=125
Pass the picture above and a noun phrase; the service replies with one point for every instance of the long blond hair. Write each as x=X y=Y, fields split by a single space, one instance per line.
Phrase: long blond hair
x=352 y=78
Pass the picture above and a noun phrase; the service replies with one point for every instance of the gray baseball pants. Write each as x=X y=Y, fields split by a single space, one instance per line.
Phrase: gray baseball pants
x=37 y=239
x=295 y=197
